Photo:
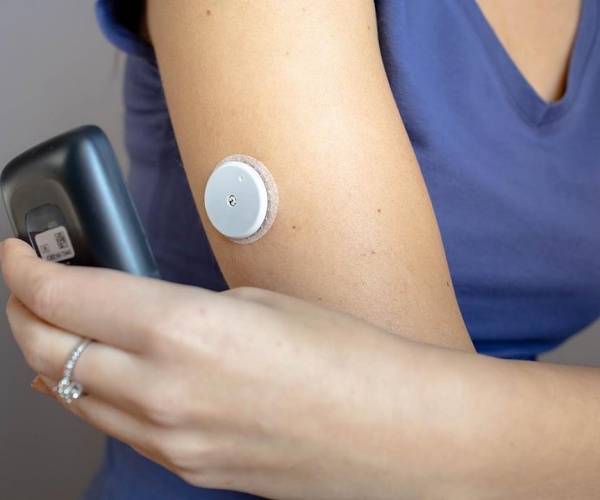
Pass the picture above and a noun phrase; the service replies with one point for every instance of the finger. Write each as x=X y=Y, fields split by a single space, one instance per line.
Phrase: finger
x=110 y=420
x=38 y=341
x=106 y=372
x=127 y=428
x=105 y=305
x=37 y=384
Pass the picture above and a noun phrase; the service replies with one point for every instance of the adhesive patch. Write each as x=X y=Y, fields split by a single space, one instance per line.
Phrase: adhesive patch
x=241 y=199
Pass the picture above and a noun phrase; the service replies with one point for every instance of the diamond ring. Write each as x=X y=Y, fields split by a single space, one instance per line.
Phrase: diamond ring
x=67 y=389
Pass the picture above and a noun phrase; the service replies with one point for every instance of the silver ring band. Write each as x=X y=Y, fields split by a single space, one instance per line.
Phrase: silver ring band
x=67 y=389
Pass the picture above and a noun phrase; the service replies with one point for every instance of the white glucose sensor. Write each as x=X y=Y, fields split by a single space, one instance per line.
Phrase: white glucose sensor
x=241 y=199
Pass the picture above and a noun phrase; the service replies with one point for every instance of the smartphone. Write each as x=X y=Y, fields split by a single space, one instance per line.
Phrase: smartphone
x=67 y=198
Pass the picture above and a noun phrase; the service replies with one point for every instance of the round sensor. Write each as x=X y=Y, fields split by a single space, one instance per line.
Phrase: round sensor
x=236 y=200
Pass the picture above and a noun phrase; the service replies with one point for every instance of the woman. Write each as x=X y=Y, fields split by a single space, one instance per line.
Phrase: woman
x=258 y=392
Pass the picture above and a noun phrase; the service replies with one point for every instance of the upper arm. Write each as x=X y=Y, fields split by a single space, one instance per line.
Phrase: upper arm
x=300 y=85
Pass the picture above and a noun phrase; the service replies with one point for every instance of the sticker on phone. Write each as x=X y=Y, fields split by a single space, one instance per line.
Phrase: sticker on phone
x=55 y=245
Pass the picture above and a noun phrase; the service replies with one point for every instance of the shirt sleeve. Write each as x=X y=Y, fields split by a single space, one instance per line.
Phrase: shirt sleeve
x=119 y=21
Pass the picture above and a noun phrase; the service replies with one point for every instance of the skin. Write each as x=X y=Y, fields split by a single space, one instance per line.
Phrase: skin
x=260 y=392
x=186 y=376
x=355 y=229
x=539 y=36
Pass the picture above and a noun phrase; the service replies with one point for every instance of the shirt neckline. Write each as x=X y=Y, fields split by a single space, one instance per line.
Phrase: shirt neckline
x=523 y=95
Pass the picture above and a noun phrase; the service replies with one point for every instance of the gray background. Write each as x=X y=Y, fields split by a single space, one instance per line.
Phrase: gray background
x=56 y=73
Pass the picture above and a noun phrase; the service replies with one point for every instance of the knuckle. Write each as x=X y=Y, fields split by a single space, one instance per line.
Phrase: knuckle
x=199 y=460
x=31 y=357
x=153 y=445
x=165 y=447
x=43 y=298
x=256 y=295
x=153 y=338
x=197 y=477
x=12 y=308
x=178 y=332
x=195 y=465
x=159 y=412
x=162 y=410
x=155 y=335
x=26 y=339
x=245 y=293
x=33 y=354
x=161 y=329
x=175 y=454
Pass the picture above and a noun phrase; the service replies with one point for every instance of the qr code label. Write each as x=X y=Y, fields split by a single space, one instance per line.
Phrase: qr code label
x=55 y=244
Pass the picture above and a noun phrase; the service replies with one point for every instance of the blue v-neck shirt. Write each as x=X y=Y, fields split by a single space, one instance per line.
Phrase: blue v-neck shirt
x=515 y=183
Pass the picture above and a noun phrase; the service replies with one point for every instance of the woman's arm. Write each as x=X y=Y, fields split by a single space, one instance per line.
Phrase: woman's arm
x=255 y=391
x=522 y=430
x=467 y=426
x=300 y=85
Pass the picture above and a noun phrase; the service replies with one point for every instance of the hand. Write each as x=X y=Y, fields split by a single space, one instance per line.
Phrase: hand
x=247 y=389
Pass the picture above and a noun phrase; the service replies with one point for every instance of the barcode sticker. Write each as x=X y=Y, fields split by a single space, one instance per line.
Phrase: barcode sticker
x=55 y=244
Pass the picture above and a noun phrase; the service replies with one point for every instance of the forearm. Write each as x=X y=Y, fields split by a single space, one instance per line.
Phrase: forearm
x=291 y=401
x=447 y=424
x=527 y=430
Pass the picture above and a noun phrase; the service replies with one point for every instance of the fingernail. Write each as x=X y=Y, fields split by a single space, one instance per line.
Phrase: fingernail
x=39 y=386
x=1 y=249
